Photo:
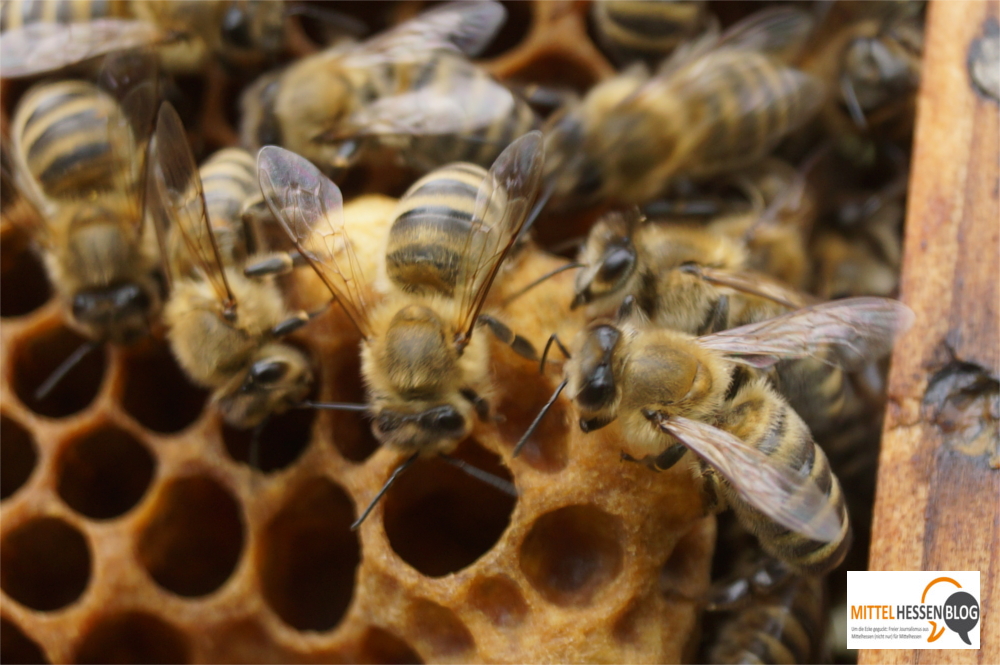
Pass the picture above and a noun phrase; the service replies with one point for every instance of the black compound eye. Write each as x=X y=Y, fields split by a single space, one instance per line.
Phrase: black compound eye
x=443 y=419
x=386 y=422
x=598 y=389
x=266 y=372
x=616 y=262
x=133 y=298
x=81 y=304
x=236 y=28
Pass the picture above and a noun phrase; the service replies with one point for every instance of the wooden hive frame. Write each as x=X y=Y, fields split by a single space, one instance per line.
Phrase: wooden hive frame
x=938 y=500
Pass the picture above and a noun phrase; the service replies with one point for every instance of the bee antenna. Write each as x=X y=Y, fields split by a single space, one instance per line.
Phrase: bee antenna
x=552 y=273
x=60 y=372
x=385 y=488
x=553 y=339
x=477 y=473
x=538 y=419
x=332 y=406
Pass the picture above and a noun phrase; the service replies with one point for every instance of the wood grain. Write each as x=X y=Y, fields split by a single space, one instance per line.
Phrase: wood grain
x=938 y=500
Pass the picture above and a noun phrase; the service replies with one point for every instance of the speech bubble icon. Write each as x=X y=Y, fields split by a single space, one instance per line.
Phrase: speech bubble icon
x=961 y=614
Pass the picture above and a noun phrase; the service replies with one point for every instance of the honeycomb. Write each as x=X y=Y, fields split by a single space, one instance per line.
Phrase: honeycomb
x=133 y=529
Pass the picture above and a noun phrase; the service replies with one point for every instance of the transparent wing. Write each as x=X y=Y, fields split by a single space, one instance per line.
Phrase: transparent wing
x=38 y=48
x=787 y=496
x=464 y=27
x=188 y=244
x=463 y=101
x=857 y=330
x=502 y=205
x=310 y=209
x=132 y=79
x=753 y=283
x=778 y=31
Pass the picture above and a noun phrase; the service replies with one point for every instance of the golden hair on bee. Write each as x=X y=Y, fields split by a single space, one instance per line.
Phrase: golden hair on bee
x=716 y=105
x=673 y=392
x=647 y=30
x=426 y=372
x=42 y=36
x=224 y=328
x=78 y=157
x=411 y=90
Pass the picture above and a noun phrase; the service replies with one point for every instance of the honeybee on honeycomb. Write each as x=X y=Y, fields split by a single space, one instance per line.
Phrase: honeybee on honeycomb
x=78 y=154
x=411 y=89
x=132 y=530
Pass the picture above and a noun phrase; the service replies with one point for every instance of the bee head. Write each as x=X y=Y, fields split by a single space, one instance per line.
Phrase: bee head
x=277 y=377
x=593 y=376
x=119 y=314
x=610 y=258
x=250 y=28
x=437 y=428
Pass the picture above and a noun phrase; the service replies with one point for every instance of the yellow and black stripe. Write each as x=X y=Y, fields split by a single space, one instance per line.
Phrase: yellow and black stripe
x=18 y=13
x=646 y=30
x=67 y=134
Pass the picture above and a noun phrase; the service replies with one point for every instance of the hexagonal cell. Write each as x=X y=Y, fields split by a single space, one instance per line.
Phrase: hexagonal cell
x=156 y=391
x=133 y=637
x=556 y=70
x=44 y=564
x=439 y=630
x=18 y=456
x=309 y=556
x=193 y=540
x=523 y=395
x=104 y=473
x=24 y=284
x=35 y=360
x=352 y=432
x=379 y=646
x=282 y=439
x=500 y=600
x=439 y=519
x=572 y=553
x=17 y=647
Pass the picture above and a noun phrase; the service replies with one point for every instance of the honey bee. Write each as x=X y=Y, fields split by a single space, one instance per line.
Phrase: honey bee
x=224 y=328
x=873 y=65
x=646 y=30
x=40 y=36
x=427 y=375
x=785 y=626
x=411 y=90
x=673 y=392
x=716 y=105
x=79 y=159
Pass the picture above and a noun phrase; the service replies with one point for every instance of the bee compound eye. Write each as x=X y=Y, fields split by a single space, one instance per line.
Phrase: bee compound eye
x=615 y=264
x=266 y=372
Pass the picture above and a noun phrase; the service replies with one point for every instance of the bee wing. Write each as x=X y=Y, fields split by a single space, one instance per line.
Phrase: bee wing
x=310 y=209
x=131 y=78
x=857 y=329
x=464 y=27
x=784 y=494
x=755 y=284
x=462 y=102
x=183 y=227
x=38 y=48
x=502 y=205
x=778 y=31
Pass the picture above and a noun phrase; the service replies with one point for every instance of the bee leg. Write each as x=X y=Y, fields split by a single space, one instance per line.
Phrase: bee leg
x=660 y=462
x=520 y=345
x=277 y=264
x=481 y=406
x=717 y=317
x=553 y=338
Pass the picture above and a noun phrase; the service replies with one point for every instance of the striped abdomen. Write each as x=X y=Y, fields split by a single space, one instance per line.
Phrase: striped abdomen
x=70 y=142
x=489 y=120
x=643 y=30
x=786 y=627
x=17 y=13
x=764 y=420
x=427 y=242
x=745 y=102
x=229 y=179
